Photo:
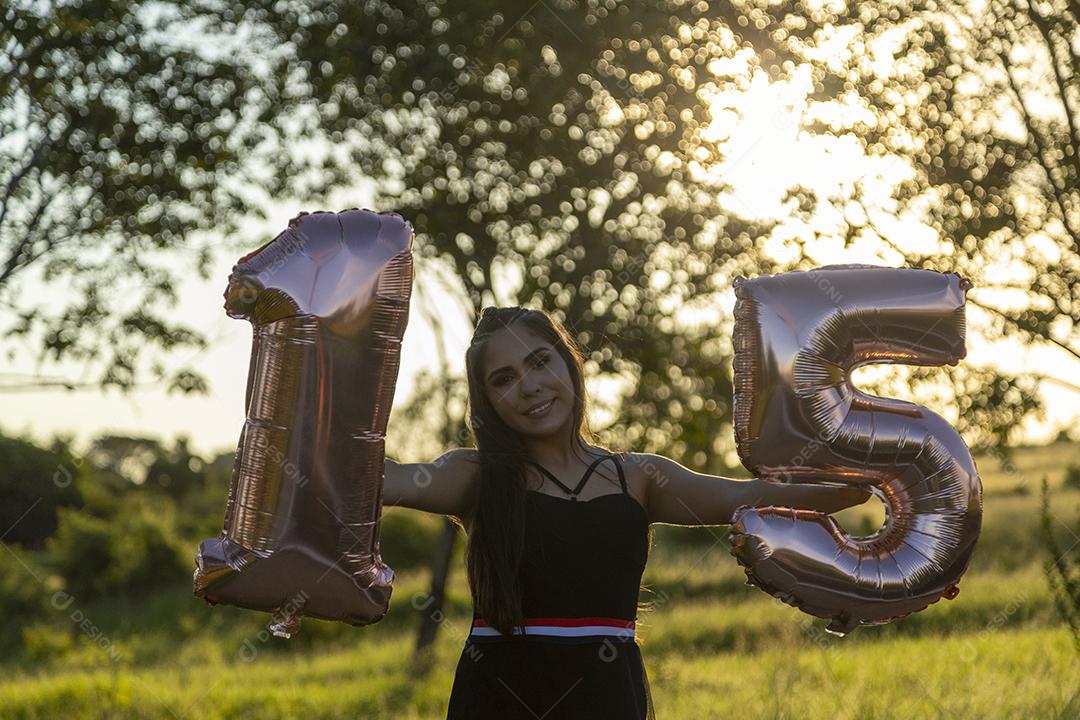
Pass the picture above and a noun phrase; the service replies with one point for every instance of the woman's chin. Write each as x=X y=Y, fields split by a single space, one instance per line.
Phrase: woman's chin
x=546 y=427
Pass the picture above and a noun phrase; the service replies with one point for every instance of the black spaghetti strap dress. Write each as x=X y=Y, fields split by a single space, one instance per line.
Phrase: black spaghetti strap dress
x=579 y=658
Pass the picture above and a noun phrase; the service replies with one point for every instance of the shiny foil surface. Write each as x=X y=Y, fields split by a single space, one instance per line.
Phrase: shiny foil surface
x=328 y=301
x=799 y=419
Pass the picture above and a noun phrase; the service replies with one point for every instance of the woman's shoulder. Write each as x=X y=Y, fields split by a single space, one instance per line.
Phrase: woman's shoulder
x=633 y=467
x=631 y=463
x=464 y=461
x=639 y=467
x=623 y=456
x=461 y=456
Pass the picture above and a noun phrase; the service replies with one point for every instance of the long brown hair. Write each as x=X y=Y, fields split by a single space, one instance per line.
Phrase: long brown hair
x=497 y=540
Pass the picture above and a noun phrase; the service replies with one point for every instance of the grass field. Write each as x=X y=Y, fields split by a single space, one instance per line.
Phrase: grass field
x=713 y=646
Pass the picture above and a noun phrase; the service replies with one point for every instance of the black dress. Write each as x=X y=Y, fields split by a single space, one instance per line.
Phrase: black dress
x=579 y=659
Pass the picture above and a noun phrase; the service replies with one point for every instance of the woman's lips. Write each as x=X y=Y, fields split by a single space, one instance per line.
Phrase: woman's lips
x=542 y=410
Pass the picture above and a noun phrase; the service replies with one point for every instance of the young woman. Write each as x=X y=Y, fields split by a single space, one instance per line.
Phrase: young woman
x=558 y=530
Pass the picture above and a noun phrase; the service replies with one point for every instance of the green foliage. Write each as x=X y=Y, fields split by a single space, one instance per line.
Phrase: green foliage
x=45 y=642
x=21 y=592
x=82 y=551
x=147 y=553
x=515 y=162
x=176 y=473
x=999 y=649
x=1072 y=476
x=431 y=420
x=1061 y=568
x=34 y=484
x=407 y=539
x=117 y=466
x=573 y=144
x=126 y=137
x=200 y=513
x=134 y=551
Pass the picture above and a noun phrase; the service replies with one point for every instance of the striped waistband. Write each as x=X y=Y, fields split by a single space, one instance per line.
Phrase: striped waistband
x=564 y=627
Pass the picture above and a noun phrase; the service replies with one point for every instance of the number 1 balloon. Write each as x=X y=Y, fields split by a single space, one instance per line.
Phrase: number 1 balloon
x=328 y=300
x=798 y=418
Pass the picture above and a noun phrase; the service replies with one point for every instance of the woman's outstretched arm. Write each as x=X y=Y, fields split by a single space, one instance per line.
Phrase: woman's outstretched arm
x=676 y=495
x=445 y=486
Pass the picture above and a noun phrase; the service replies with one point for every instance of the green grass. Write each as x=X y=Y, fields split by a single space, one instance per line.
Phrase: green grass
x=712 y=645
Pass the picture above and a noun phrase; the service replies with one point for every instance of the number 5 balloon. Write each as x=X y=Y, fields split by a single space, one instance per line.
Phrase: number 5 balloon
x=798 y=418
x=328 y=300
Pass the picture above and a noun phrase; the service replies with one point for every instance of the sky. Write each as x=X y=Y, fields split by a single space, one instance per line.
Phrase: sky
x=761 y=132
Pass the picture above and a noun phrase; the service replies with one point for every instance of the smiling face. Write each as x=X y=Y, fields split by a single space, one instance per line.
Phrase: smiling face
x=522 y=371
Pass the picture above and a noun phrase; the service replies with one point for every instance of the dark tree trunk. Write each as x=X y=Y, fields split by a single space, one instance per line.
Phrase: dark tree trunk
x=432 y=607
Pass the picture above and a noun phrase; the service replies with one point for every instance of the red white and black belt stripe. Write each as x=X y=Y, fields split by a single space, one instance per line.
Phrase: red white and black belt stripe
x=564 y=627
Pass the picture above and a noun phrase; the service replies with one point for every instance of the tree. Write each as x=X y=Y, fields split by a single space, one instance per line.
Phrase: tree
x=558 y=156
x=566 y=165
x=34 y=484
x=127 y=128
x=980 y=102
x=561 y=157
x=176 y=473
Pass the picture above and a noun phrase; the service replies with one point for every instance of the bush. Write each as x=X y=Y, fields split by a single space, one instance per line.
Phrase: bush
x=21 y=594
x=148 y=554
x=44 y=642
x=134 y=551
x=176 y=473
x=81 y=552
x=1062 y=572
x=34 y=483
x=408 y=540
x=1072 y=476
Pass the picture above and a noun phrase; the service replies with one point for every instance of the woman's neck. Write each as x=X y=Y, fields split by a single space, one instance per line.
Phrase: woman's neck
x=554 y=453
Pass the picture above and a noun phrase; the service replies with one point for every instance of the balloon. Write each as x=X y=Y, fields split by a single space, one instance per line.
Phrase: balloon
x=798 y=418
x=328 y=300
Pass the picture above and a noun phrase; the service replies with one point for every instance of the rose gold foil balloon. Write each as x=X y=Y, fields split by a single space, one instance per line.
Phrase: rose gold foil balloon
x=328 y=300
x=798 y=418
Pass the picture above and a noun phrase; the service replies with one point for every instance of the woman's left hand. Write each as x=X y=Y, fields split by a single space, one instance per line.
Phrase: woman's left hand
x=834 y=499
x=822 y=498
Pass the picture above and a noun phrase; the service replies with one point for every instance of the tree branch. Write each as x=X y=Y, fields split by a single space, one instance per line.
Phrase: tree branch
x=22 y=248
x=1035 y=140
x=1042 y=26
x=1001 y=313
x=1050 y=378
x=1040 y=150
x=881 y=236
x=26 y=57
x=17 y=177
